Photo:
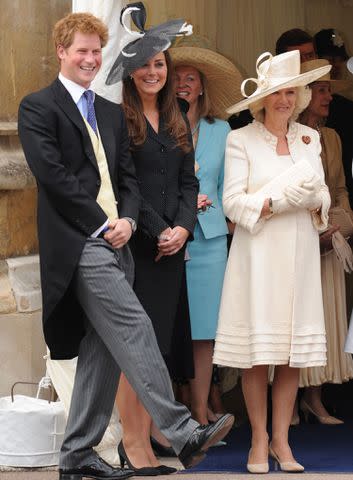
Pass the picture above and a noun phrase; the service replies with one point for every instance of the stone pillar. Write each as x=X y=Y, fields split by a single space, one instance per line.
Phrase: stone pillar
x=18 y=233
x=28 y=64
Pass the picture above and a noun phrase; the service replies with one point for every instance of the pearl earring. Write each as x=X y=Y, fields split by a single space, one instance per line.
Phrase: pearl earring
x=201 y=93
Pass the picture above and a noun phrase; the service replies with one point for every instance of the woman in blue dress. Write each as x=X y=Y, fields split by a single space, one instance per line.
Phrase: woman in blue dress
x=207 y=81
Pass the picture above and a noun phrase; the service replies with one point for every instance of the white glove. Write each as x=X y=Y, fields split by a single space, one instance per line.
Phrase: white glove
x=314 y=183
x=343 y=251
x=281 y=205
x=306 y=196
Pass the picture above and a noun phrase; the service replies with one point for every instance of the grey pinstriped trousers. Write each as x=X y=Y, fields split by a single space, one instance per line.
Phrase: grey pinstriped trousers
x=120 y=337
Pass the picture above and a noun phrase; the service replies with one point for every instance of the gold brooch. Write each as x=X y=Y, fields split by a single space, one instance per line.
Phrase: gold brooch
x=306 y=139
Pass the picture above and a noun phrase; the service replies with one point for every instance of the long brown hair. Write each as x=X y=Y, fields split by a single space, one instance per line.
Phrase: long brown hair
x=205 y=108
x=168 y=108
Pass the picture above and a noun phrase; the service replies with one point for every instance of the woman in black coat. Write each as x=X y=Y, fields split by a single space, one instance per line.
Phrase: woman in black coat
x=165 y=171
x=164 y=161
x=163 y=155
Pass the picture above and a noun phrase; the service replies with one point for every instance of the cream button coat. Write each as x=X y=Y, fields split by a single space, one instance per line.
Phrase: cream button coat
x=271 y=309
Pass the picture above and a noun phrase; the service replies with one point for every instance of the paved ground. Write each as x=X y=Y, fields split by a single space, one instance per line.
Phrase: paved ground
x=196 y=476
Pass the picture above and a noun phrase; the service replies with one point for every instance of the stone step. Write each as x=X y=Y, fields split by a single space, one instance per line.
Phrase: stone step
x=24 y=277
x=7 y=299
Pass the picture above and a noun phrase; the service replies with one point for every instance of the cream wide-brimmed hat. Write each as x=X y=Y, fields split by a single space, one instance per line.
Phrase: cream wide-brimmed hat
x=223 y=78
x=275 y=73
x=335 y=85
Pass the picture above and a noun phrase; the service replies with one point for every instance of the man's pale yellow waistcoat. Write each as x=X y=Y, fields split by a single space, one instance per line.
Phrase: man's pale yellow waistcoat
x=106 y=198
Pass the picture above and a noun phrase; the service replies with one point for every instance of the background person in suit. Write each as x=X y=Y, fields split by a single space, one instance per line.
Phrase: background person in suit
x=77 y=147
x=202 y=77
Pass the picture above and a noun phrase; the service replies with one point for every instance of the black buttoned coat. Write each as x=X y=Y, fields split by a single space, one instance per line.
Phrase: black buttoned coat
x=59 y=152
x=169 y=189
x=168 y=186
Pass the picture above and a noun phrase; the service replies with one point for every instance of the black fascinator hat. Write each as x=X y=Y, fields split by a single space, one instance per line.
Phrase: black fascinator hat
x=329 y=42
x=144 y=44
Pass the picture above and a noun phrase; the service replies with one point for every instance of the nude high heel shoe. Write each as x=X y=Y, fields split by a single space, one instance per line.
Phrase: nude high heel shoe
x=295 y=419
x=285 y=466
x=257 y=467
x=307 y=411
x=295 y=415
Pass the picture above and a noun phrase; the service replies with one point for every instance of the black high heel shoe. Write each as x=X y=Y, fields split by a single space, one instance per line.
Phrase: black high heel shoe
x=165 y=470
x=160 y=450
x=143 y=471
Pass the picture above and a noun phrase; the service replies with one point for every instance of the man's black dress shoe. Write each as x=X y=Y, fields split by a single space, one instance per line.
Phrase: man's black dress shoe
x=97 y=469
x=203 y=438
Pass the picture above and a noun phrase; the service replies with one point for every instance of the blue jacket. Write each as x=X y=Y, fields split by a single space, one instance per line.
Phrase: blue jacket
x=209 y=155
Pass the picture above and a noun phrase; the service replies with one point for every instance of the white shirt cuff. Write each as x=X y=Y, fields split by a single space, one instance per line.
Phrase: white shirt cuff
x=100 y=229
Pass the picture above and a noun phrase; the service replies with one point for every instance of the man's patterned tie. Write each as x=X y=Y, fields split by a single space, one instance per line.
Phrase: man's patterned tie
x=91 y=116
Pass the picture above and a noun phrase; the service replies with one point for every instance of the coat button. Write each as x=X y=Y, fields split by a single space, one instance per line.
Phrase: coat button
x=162 y=170
x=163 y=192
x=98 y=183
x=162 y=149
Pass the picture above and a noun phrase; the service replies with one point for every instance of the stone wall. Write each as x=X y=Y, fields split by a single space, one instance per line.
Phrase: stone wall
x=29 y=63
x=26 y=49
x=18 y=233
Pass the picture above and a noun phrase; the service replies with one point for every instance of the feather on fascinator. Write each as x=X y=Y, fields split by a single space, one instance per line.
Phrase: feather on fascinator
x=144 y=44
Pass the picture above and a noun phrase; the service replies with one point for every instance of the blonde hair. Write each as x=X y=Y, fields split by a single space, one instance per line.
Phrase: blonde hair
x=65 y=29
x=301 y=102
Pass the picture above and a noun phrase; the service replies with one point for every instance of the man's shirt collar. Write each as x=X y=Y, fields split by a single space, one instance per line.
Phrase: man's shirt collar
x=74 y=89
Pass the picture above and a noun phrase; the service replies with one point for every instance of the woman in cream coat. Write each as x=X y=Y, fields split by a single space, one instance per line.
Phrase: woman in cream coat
x=271 y=309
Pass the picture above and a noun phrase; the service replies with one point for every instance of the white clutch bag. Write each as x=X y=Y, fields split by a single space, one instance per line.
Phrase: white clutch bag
x=297 y=174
